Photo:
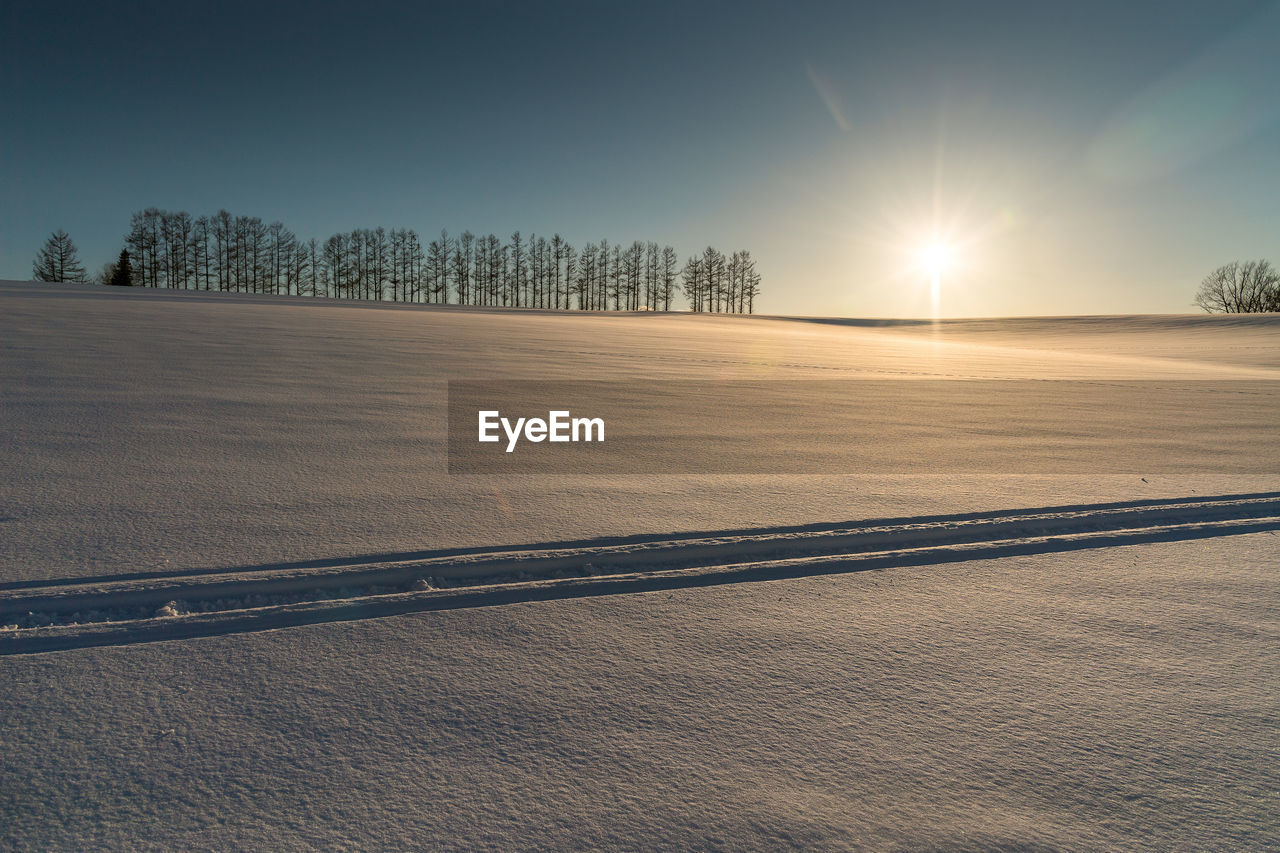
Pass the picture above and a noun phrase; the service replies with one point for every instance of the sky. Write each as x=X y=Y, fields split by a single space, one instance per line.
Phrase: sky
x=1074 y=158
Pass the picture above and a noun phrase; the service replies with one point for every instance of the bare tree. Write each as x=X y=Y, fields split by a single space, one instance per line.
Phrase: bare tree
x=438 y=261
x=334 y=263
x=632 y=275
x=108 y=272
x=693 y=282
x=536 y=264
x=559 y=250
x=57 y=260
x=221 y=228
x=1240 y=288
x=279 y=261
x=242 y=254
x=570 y=270
x=585 y=280
x=201 y=231
x=668 y=276
x=617 y=276
x=143 y=243
x=652 y=267
x=176 y=230
x=753 y=288
x=713 y=270
x=463 y=253
x=517 y=266
x=601 y=300
x=496 y=262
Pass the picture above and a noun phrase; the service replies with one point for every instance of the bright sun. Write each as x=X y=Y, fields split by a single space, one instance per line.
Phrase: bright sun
x=934 y=258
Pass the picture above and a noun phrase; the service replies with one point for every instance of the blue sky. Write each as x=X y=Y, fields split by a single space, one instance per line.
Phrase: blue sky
x=1079 y=158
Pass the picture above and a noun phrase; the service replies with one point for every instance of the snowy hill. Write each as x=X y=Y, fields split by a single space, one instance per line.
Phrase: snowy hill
x=368 y=651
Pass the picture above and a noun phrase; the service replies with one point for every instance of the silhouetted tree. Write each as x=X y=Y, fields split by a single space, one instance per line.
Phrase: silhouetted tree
x=668 y=276
x=1240 y=288
x=463 y=253
x=585 y=280
x=200 y=249
x=105 y=274
x=57 y=260
x=312 y=251
x=600 y=302
x=241 y=253
x=753 y=289
x=517 y=267
x=143 y=243
x=713 y=271
x=438 y=261
x=693 y=282
x=617 y=285
x=122 y=274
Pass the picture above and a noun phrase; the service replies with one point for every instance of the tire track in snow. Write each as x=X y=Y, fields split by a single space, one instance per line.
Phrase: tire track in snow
x=59 y=616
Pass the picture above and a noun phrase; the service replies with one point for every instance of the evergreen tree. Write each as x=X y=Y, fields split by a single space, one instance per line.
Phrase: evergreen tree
x=122 y=275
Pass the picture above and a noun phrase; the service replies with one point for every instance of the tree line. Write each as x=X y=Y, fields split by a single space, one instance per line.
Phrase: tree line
x=242 y=254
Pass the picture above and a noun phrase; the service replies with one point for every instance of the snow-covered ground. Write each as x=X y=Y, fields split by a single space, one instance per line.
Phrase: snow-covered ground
x=838 y=672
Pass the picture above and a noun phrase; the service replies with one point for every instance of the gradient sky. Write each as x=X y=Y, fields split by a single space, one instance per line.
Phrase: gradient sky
x=1082 y=157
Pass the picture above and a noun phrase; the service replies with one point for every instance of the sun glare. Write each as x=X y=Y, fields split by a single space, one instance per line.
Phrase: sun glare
x=934 y=258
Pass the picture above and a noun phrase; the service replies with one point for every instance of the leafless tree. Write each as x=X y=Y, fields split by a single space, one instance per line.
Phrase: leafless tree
x=463 y=254
x=57 y=260
x=694 y=283
x=241 y=253
x=1240 y=288
x=668 y=276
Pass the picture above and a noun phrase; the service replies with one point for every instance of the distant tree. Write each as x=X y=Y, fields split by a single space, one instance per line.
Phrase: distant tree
x=381 y=262
x=177 y=234
x=1240 y=288
x=144 y=246
x=617 y=277
x=122 y=272
x=463 y=254
x=57 y=260
x=585 y=281
x=570 y=270
x=536 y=264
x=297 y=262
x=743 y=281
x=694 y=282
x=312 y=265
x=334 y=265
x=559 y=254
x=652 y=277
x=632 y=275
x=243 y=254
x=713 y=270
x=517 y=267
x=502 y=271
x=438 y=261
x=668 y=276
x=200 y=233
x=600 y=302
x=753 y=289
x=281 y=249
x=496 y=265
x=105 y=274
